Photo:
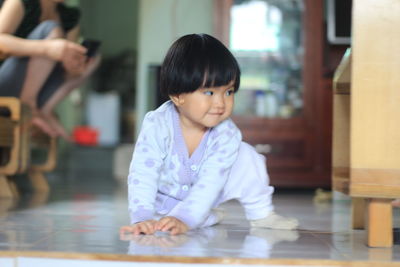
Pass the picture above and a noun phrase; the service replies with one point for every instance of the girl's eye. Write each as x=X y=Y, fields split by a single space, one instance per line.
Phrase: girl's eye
x=208 y=93
x=229 y=92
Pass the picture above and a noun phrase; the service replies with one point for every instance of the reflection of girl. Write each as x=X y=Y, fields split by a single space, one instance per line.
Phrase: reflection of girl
x=211 y=242
x=189 y=157
x=43 y=64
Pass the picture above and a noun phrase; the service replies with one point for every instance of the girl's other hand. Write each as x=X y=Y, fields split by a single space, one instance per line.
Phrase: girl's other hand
x=171 y=224
x=145 y=227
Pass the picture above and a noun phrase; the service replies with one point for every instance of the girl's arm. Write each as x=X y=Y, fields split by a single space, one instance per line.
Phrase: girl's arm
x=144 y=170
x=212 y=177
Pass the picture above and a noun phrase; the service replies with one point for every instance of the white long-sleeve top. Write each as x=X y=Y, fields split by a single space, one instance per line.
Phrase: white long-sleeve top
x=164 y=180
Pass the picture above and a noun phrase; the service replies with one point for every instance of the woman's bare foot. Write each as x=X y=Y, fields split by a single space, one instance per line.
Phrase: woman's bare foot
x=396 y=203
x=42 y=124
x=37 y=118
x=57 y=126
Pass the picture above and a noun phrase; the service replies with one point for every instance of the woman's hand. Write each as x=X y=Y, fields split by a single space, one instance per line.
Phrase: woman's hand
x=70 y=54
x=145 y=227
x=171 y=224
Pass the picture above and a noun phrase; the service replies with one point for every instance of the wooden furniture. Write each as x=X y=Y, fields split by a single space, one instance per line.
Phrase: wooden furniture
x=13 y=143
x=16 y=143
x=298 y=148
x=36 y=171
x=366 y=143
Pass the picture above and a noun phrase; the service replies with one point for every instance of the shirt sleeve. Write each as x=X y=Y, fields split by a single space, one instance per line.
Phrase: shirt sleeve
x=69 y=16
x=148 y=157
x=221 y=155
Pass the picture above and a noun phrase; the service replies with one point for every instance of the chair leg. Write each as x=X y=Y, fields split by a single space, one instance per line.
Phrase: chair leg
x=39 y=181
x=380 y=225
x=5 y=190
x=13 y=187
x=358 y=212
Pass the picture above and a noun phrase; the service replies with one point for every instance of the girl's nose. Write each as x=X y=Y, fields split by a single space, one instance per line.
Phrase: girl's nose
x=219 y=101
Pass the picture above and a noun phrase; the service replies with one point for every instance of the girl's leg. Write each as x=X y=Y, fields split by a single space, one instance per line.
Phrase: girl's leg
x=249 y=184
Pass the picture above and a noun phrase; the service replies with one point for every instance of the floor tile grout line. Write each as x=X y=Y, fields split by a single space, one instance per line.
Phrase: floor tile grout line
x=332 y=247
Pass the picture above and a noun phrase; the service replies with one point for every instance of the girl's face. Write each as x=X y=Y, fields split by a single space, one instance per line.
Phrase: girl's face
x=205 y=107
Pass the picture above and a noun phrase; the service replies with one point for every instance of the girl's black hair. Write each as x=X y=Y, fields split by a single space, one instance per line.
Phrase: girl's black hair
x=197 y=60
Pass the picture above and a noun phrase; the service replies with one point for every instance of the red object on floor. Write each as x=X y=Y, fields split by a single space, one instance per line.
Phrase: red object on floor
x=85 y=135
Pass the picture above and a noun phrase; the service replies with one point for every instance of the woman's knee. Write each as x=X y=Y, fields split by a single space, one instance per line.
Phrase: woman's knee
x=47 y=29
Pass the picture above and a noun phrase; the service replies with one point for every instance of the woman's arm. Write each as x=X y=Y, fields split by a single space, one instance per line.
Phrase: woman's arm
x=11 y=15
x=73 y=34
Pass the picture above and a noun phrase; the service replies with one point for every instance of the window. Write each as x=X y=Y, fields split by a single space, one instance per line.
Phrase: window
x=266 y=38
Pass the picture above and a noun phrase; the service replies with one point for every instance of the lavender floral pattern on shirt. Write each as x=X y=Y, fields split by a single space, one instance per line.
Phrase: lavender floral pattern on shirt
x=165 y=180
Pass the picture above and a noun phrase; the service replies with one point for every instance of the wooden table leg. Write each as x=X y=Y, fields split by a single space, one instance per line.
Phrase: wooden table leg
x=13 y=186
x=5 y=190
x=380 y=225
x=38 y=181
x=358 y=212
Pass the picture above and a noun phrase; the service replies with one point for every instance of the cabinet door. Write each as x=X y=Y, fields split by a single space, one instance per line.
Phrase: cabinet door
x=282 y=106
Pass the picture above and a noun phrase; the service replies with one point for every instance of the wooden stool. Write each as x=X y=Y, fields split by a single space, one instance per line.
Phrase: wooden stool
x=16 y=144
x=36 y=171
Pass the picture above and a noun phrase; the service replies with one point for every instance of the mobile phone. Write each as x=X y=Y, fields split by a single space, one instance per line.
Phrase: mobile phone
x=92 y=47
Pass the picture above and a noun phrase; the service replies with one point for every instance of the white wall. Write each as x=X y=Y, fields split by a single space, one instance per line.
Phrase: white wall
x=161 y=22
x=115 y=24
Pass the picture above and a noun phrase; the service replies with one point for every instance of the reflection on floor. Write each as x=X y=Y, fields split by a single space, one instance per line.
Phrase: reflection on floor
x=83 y=212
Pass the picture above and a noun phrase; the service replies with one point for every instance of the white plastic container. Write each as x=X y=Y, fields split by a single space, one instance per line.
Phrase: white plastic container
x=103 y=113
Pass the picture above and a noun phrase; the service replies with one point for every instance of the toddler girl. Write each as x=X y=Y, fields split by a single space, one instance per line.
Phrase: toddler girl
x=189 y=157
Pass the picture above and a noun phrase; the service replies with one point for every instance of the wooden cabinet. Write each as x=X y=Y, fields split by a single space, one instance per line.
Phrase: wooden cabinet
x=298 y=148
x=366 y=143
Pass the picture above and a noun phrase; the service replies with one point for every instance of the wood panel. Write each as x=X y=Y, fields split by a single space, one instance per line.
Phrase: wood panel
x=375 y=111
x=380 y=224
x=366 y=143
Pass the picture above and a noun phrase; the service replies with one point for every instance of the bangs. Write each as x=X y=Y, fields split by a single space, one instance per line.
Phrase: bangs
x=214 y=75
x=196 y=61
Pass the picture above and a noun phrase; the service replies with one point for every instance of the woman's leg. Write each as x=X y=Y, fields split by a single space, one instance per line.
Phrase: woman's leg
x=47 y=104
x=37 y=72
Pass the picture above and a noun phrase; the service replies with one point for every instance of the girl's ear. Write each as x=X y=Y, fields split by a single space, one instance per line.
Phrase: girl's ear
x=177 y=99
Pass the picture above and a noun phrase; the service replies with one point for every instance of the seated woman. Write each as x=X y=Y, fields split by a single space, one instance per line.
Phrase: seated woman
x=43 y=63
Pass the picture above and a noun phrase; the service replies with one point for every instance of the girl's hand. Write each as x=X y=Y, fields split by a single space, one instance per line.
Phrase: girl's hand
x=171 y=224
x=145 y=227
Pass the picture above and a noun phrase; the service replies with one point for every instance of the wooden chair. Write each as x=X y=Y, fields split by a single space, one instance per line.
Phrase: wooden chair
x=16 y=143
x=36 y=171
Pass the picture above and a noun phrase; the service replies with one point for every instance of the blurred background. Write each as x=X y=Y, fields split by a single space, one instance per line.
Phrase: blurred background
x=287 y=50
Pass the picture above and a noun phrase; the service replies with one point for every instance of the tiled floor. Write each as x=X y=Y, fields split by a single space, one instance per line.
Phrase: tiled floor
x=84 y=211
